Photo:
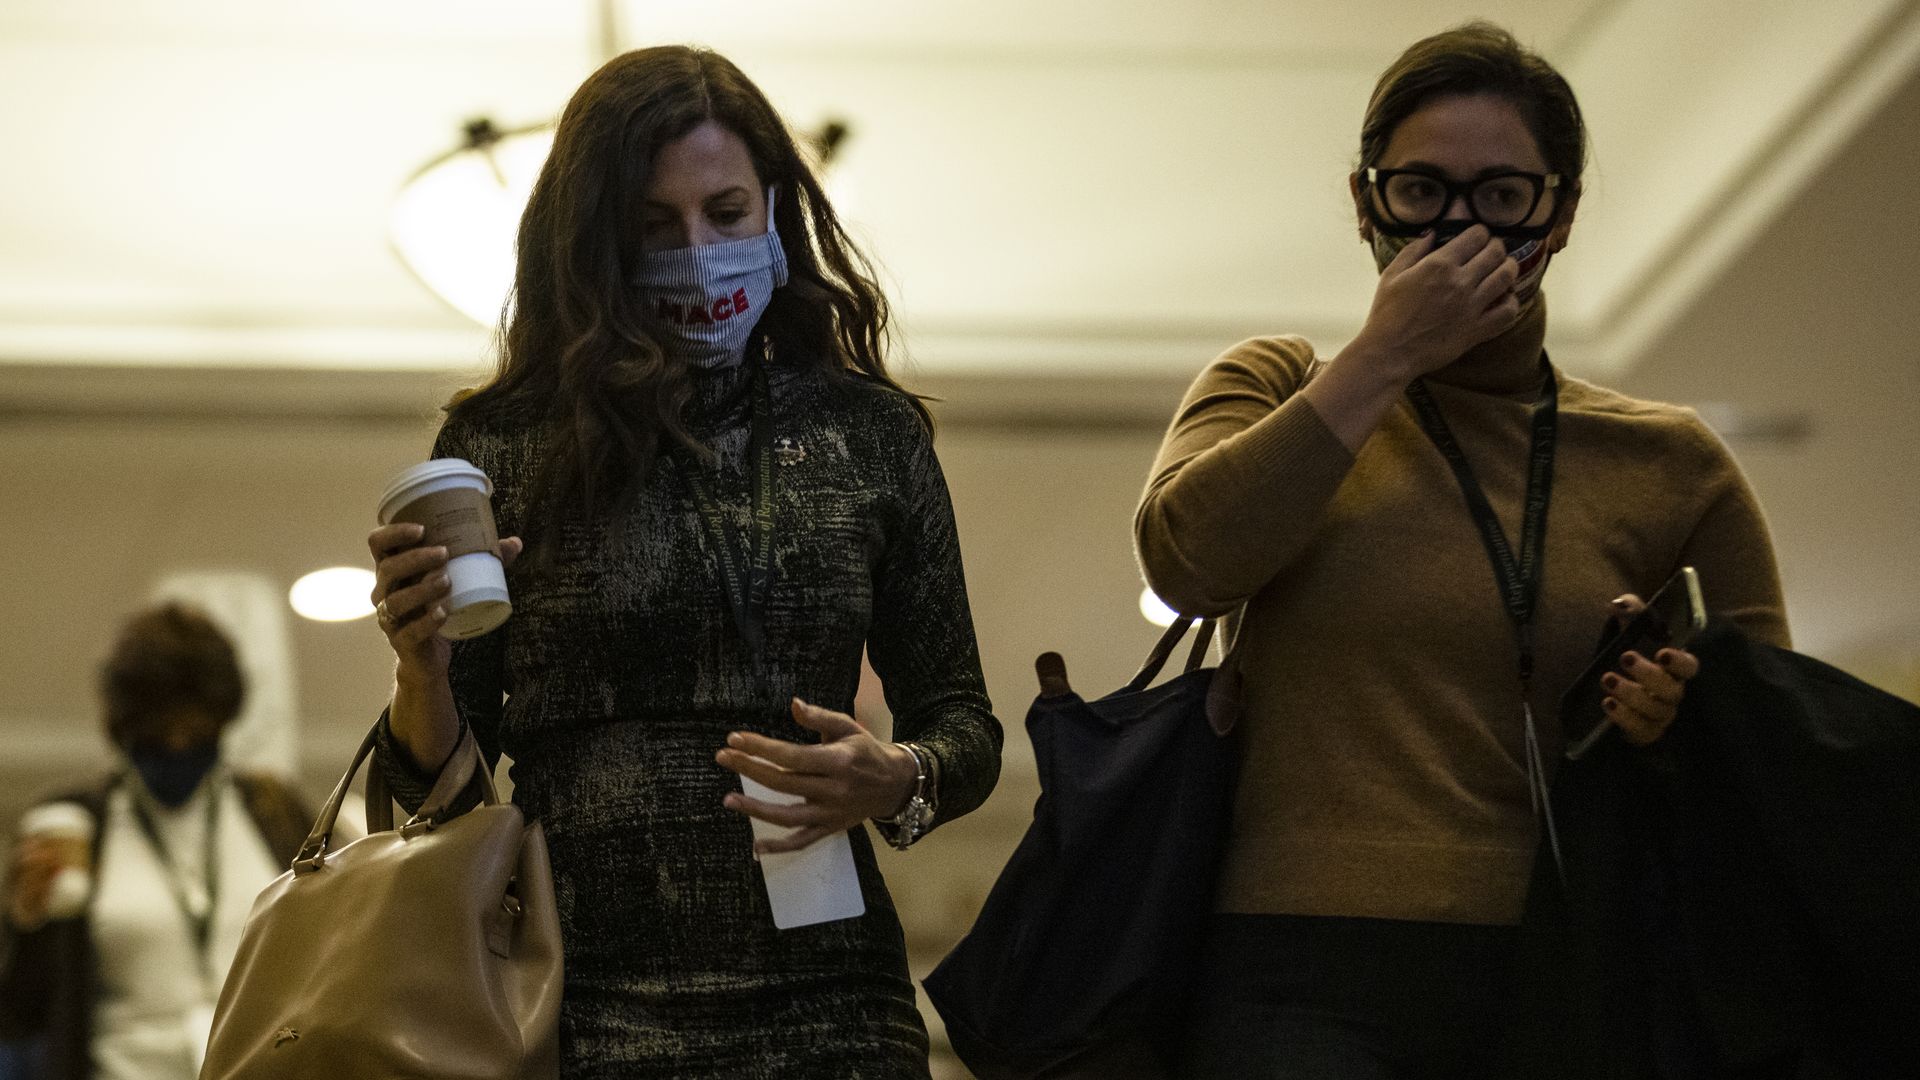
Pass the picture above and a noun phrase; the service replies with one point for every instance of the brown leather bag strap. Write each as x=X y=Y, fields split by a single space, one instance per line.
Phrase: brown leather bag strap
x=455 y=775
x=313 y=853
x=461 y=768
x=379 y=798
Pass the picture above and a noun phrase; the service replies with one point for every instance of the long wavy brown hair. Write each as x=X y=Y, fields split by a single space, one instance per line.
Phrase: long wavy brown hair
x=575 y=350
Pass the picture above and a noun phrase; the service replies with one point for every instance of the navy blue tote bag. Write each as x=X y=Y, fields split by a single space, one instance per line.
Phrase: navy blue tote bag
x=1085 y=947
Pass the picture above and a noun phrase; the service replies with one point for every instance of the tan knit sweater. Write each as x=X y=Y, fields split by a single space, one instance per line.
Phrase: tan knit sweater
x=1383 y=771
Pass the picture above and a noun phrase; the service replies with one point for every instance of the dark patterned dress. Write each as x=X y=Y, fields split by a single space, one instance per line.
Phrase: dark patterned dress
x=621 y=673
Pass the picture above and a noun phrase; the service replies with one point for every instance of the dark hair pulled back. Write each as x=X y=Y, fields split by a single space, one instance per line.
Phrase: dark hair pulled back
x=1479 y=58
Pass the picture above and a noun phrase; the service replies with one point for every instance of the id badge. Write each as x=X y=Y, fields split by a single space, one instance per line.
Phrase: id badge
x=816 y=884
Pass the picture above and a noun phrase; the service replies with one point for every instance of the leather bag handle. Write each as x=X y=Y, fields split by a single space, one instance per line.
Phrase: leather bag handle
x=459 y=770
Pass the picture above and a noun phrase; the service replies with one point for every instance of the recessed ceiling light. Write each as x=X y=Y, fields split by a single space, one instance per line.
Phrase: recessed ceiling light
x=336 y=594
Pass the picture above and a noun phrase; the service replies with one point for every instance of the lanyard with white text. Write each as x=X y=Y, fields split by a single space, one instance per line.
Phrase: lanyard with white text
x=1518 y=578
x=198 y=916
x=746 y=577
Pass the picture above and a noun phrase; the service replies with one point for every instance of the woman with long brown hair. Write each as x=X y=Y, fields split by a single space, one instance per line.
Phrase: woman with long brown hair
x=722 y=497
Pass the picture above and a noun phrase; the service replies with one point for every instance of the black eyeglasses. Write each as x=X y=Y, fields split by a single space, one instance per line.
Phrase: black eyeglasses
x=1410 y=200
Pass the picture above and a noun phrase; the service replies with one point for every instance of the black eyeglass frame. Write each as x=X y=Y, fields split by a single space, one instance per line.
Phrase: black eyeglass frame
x=1383 y=219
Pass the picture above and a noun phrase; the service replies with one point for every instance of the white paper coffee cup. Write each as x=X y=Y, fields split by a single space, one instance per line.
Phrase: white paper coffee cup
x=70 y=825
x=452 y=500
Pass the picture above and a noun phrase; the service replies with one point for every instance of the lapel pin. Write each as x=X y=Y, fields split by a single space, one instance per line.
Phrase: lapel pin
x=788 y=451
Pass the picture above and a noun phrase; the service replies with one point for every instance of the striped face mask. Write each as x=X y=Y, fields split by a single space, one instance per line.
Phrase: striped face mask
x=703 y=302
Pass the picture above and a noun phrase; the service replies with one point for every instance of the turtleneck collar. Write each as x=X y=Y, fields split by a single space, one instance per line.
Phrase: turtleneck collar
x=1508 y=363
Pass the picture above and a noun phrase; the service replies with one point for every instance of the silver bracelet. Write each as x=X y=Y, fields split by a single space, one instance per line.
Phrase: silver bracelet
x=915 y=818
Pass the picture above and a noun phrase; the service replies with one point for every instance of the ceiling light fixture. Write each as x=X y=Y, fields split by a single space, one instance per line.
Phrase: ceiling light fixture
x=336 y=594
x=455 y=220
x=453 y=223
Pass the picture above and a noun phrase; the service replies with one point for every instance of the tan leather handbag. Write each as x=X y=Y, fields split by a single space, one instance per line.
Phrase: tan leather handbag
x=431 y=951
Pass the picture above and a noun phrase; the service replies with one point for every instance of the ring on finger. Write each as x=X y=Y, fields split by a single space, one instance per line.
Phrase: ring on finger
x=384 y=617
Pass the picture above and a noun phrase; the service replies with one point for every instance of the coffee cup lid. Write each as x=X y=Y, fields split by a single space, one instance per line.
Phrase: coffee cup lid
x=57 y=819
x=400 y=491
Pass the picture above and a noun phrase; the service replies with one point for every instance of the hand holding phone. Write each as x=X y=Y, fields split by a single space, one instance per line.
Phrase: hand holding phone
x=1669 y=621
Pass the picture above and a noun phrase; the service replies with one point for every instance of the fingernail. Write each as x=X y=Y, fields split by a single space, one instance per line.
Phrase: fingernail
x=735 y=739
x=1609 y=704
x=1611 y=682
x=731 y=802
x=439 y=612
x=1665 y=656
x=1620 y=602
x=1629 y=660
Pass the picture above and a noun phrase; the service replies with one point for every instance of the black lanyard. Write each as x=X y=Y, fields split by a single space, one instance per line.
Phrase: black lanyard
x=1518 y=578
x=746 y=578
x=199 y=923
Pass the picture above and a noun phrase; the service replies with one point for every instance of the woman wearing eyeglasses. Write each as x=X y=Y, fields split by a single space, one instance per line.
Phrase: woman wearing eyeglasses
x=1423 y=536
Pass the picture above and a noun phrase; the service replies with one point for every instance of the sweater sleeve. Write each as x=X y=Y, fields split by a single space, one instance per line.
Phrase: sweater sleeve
x=1733 y=551
x=1243 y=477
x=922 y=643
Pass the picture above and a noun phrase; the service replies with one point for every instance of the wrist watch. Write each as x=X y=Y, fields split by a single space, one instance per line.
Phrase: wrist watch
x=915 y=818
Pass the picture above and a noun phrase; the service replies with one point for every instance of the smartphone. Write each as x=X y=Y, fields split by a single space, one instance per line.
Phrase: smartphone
x=1672 y=617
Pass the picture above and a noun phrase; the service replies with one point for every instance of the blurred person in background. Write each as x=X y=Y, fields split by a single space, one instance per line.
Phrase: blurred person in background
x=126 y=896
x=1388 y=806
x=723 y=497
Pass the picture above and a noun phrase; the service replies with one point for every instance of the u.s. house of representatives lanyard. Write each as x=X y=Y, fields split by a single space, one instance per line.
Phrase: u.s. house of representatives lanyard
x=1518 y=578
x=819 y=883
x=746 y=570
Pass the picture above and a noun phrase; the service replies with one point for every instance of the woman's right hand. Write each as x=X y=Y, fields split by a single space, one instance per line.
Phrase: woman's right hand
x=35 y=863
x=410 y=591
x=1432 y=305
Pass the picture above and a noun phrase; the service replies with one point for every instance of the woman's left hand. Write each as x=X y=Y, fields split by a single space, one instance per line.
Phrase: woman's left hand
x=1644 y=696
x=846 y=778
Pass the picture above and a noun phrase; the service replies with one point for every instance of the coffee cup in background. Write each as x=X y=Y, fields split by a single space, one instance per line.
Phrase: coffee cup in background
x=67 y=827
x=452 y=500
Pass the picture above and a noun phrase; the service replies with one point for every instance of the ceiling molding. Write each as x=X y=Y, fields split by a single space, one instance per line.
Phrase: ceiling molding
x=88 y=394
x=1084 y=257
x=1666 y=212
x=220 y=344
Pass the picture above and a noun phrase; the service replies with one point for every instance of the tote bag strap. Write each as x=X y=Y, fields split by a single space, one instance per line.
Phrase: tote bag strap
x=465 y=762
x=1163 y=649
x=454 y=777
x=1223 y=703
